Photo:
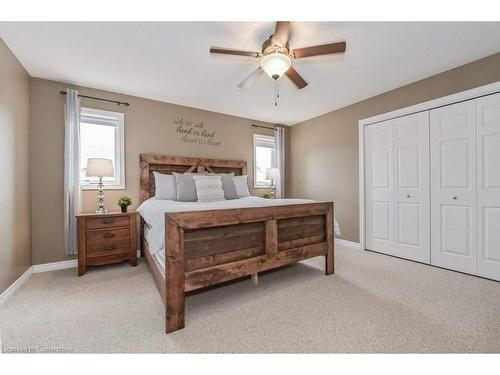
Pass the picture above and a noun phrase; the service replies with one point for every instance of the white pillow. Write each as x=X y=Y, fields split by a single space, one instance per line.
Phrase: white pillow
x=165 y=186
x=241 y=184
x=208 y=188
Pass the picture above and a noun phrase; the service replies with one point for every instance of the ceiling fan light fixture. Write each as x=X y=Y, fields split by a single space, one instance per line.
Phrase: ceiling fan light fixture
x=275 y=64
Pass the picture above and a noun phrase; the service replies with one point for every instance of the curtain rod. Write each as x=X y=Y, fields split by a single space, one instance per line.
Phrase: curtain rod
x=95 y=98
x=268 y=127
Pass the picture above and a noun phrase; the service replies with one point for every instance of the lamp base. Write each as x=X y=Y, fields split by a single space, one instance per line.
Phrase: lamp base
x=272 y=190
x=100 y=198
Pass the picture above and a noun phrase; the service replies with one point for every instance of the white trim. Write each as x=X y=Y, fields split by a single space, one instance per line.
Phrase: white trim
x=14 y=287
x=39 y=268
x=349 y=244
x=62 y=265
x=361 y=171
x=425 y=106
x=54 y=266
x=105 y=187
x=435 y=103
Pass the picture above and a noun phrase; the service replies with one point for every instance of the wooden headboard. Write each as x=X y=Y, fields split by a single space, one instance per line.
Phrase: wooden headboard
x=166 y=164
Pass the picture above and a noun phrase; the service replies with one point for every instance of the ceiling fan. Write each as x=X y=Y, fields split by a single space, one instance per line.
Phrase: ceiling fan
x=276 y=56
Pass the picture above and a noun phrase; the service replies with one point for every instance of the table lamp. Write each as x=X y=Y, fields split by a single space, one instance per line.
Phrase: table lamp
x=98 y=167
x=273 y=174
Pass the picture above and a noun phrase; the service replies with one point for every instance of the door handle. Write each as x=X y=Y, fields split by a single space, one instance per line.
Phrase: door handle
x=408 y=196
x=108 y=235
x=455 y=198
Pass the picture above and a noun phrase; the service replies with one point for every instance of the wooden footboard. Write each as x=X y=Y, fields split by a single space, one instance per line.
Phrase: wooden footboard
x=205 y=248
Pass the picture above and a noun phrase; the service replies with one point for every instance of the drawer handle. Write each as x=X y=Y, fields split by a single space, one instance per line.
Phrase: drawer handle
x=108 y=235
x=108 y=221
x=109 y=248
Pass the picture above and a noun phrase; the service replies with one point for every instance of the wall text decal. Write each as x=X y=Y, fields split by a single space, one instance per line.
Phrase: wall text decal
x=195 y=133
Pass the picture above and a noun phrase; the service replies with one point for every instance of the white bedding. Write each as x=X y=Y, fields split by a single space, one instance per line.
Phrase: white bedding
x=153 y=212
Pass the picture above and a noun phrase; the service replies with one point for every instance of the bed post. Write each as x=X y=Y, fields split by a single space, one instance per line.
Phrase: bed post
x=174 y=276
x=271 y=237
x=144 y=193
x=329 y=258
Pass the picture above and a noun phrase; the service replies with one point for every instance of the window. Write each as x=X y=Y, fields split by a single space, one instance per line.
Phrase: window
x=101 y=136
x=264 y=154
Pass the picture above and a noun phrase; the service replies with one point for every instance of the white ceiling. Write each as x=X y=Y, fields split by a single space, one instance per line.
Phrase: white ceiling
x=170 y=61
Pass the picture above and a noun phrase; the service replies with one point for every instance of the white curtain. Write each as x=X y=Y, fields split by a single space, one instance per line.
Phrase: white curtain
x=72 y=191
x=279 y=141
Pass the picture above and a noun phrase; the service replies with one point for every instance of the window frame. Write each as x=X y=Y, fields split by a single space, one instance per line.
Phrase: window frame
x=119 y=183
x=256 y=136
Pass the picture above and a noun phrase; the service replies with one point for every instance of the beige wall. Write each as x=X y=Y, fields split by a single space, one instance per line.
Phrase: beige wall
x=148 y=129
x=15 y=240
x=323 y=162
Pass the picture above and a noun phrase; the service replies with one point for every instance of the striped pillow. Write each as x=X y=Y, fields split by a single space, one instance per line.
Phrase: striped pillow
x=209 y=188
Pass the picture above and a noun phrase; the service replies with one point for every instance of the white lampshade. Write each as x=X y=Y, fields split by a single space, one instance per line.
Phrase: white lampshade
x=98 y=167
x=275 y=64
x=272 y=174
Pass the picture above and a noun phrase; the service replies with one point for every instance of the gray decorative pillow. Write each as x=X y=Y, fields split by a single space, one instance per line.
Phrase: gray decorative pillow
x=186 y=189
x=241 y=183
x=165 y=186
x=227 y=185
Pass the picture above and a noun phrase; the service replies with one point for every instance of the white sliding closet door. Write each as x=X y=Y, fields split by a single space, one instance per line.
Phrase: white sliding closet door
x=379 y=187
x=453 y=186
x=411 y=187
x=488 y=186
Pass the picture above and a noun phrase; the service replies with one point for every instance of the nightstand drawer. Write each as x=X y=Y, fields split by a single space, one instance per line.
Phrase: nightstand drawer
x=107 y=234
x=107 y=222
x=103 y=248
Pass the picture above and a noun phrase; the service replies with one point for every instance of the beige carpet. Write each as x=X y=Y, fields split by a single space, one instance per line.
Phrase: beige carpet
x=374 y=303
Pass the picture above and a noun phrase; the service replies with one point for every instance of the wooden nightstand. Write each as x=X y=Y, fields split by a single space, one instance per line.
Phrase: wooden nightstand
x=106 y=238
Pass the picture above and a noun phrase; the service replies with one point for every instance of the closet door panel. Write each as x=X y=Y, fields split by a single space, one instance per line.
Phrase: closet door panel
x=379 y=187
x=453 y=186
x=411 y=187
x=488 y=186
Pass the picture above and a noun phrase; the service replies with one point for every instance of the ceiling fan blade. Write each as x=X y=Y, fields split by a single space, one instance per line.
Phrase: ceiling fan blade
x=323 y=49
x=296 y=78
x=225 y=51
x=281 y=33
x=251 y=79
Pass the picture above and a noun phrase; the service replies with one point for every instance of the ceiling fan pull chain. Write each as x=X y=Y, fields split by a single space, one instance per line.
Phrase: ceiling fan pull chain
x=275 y=92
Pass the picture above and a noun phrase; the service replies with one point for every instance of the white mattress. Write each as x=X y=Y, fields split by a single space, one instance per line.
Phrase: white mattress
x=153 y=212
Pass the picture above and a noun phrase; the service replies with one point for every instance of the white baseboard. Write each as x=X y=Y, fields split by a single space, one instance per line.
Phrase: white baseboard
x=9 y=292
x=39 y=268
x=54 y=266
x=349 y=244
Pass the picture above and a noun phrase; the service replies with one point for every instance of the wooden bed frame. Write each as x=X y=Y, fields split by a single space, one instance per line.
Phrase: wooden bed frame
x=205 y=248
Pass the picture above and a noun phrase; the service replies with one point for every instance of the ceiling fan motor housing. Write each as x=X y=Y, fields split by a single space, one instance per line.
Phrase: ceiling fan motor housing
x=270 y=46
